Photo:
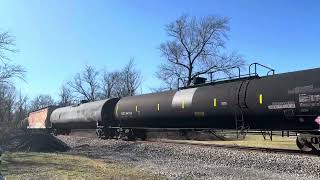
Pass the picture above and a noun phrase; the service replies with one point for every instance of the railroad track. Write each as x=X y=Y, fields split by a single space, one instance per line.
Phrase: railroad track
x=236 y=147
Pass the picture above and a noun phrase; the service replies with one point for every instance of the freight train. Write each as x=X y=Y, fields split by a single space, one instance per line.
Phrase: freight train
x=278 y=102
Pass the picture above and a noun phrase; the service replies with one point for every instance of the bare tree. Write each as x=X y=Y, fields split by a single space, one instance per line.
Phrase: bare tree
x=66 y=97
x=130 y=80
x=9 y=104
x=7 y=101
x=7 y=43
x=86 y=83
x=21 y=110
x=196 y=48
x=8 y=71
x=170 y=75
x=109 y=83
x=41 y=101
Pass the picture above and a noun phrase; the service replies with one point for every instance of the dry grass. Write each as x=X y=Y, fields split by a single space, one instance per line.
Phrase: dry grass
x=258 y=141
x=254 y=141
x=61 y=166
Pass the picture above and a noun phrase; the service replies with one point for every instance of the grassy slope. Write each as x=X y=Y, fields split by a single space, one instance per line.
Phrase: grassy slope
x=60 y=166
x=256 y=141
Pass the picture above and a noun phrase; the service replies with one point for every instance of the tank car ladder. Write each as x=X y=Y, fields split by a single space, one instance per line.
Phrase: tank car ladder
x=242 y=94
x=241 y=128
x=240 y=122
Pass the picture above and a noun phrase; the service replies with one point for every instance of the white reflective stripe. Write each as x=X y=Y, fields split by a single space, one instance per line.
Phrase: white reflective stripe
x=183 y=98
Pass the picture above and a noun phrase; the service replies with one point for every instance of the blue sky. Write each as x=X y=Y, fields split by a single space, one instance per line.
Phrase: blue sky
x=57 y=38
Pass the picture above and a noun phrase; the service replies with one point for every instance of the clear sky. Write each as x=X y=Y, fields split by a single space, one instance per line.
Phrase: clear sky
x=57 y=38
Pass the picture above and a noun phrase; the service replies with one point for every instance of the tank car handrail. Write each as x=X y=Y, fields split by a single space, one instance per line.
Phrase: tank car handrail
x=271 y=71
x=261 y=65
x=252 y=73
x=223 y=69
x=217 y=70
x=180 y=78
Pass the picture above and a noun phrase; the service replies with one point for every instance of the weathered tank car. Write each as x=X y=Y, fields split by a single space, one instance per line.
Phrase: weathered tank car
x=90 y=115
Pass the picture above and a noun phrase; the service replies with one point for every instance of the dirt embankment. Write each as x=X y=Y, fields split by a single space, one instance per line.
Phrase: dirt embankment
x=13 y=139
x=24 y=158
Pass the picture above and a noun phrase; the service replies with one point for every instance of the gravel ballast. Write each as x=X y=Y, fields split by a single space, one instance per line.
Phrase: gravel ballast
x=177 y=161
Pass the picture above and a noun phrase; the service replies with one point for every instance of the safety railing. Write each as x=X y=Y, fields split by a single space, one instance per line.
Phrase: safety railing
x=253 y=72
x=255 y=65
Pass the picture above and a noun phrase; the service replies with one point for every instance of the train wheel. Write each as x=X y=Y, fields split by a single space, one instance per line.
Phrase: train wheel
x=303 y=144
x=143 y=137
x=130 y=135
x=141 y=133
x=106 y=134
x=55 y=132
x=99 y=133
